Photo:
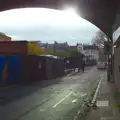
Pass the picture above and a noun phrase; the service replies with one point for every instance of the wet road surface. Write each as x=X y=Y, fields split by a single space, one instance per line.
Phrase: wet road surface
x=58 y=101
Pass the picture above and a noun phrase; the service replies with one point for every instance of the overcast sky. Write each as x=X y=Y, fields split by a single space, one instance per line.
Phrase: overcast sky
x=46 y=25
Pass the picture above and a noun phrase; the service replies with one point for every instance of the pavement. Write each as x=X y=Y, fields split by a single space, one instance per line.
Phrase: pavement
x=106 y=105
x=58 y=99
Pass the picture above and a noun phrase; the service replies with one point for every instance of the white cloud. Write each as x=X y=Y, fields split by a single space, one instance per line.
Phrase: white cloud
x=46 y=24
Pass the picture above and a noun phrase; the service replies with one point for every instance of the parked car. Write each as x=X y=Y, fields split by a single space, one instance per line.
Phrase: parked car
x=101 y=65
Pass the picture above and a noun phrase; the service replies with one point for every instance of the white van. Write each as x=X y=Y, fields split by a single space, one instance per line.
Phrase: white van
x=101 y=65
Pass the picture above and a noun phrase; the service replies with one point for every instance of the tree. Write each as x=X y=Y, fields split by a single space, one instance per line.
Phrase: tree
x=34 y=48
x=75 y=53
x=70 y=53
x=61 y=54
x=99 y=39
x=49 y=50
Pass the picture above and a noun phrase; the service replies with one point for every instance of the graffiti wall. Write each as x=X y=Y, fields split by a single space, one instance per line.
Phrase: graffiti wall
x=2 y=69
x=29 y=68
x=10 y=69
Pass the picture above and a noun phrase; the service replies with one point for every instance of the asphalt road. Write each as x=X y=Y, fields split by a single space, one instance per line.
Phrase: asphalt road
x=58 y=99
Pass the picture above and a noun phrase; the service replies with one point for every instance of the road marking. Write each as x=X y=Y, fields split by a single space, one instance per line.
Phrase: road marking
x=81 y=95
x=102 y=103
x=97 y=90
x=62 y=100
x=74 y=101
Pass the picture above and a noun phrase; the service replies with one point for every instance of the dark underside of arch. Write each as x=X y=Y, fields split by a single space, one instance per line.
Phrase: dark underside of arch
x=101 y=13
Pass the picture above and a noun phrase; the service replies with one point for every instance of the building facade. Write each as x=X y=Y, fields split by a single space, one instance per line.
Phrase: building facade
x=60 y=47
x=90 y=51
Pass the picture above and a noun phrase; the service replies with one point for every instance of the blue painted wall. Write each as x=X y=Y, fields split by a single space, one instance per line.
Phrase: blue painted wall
x=2 y=65
x=15 y=69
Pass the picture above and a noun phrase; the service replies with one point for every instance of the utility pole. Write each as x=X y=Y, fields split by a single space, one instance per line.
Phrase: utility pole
x=108 y=68
x=110 y=58
x=108 y=50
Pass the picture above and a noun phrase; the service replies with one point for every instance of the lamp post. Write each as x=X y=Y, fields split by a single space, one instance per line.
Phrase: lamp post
x=108 y=50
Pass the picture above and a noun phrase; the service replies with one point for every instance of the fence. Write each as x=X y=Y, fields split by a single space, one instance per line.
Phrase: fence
x=76 y=62
x=29 y=68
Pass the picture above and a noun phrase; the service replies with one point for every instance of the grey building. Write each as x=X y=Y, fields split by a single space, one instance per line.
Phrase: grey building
x=60 y=47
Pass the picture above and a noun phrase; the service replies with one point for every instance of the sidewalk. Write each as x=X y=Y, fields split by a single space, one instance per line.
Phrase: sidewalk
x=106 y=106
